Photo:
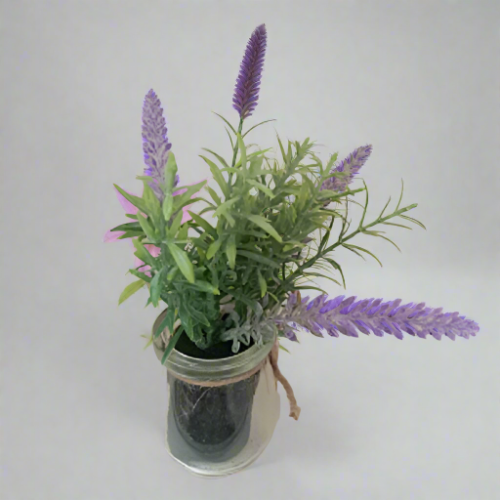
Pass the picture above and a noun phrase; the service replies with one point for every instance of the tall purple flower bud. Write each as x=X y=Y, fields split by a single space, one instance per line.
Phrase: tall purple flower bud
x=347 y=169
x=246 y=92
x=348 y=316
x=155 y=143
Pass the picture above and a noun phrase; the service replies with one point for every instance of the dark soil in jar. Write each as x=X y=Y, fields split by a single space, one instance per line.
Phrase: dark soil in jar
x=210 y=419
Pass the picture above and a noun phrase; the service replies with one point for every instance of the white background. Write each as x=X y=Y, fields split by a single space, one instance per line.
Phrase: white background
x=82 y=404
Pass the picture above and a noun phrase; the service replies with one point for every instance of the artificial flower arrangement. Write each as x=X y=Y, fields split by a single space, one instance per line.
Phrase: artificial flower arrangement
x=233 y=273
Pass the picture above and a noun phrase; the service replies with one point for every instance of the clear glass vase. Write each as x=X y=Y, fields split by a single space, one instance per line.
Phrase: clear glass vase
x=215 y=428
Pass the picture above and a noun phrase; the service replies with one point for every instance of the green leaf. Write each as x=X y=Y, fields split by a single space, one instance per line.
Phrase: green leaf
x=339 y=269
x=219 y=157
x=284 y=349
x=259 y=258
x=243 y=151
x=143 y=254
x=307 y=287
x=147 y=228
x=168 y=206
x=135 y=200
x=258 y=125
x=225 y=206
x=227 y=123
x=263 y=224
x=152 y=204
x=377 y=233
x=355 y=247
x=172 y=272
x=331 y=161
x=176 y=224
x=155 y=288
x=231 y=251
x=415 y=221
x=213 y=248
x=206 y=287
x=170 y=173
x=164 y=324
x=171 y=344
x=203 y=223
x=261 y=187
x=182 y=260
x=219 y=178
x=134 y=226
x=130 y=290
x=397 y=225
x=214 y=196
x=140 y=275
x=262 y=284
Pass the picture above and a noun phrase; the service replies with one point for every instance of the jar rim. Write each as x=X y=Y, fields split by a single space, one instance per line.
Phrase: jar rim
x=200 y=369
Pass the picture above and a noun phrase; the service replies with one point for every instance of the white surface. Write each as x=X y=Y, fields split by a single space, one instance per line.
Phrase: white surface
x=82 y=405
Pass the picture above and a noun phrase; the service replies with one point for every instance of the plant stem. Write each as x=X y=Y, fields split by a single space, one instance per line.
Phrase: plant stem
x=240 y=128
x=360 y=229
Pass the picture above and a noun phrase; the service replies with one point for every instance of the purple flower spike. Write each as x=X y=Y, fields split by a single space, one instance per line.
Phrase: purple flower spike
x=246 y=92
x=155 y=143
x=349 y=316
x=347 y=169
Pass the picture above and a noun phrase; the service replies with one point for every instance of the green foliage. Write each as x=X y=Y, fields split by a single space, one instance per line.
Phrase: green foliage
x=266 y=233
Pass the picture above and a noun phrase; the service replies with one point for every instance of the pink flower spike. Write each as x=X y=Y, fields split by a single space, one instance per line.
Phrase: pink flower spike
x=112 y=235
x=127 y=206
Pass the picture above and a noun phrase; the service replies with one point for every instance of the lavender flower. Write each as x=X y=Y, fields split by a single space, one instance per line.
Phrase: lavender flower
x=246 y=92
x=347 y=316
x=347 y=168
x=155 y=143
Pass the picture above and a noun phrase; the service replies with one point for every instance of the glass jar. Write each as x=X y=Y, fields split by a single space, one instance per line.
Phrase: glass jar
x=221 y=413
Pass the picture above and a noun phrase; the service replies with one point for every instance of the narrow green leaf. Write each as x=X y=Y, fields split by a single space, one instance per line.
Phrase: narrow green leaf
x=230 y=138
x=383 y=210
x=284 y=349
x=135 y=200
x=134 y=226
x=214 y=196
x=262 y=284
x=182 y=260
x=307 y=287
x=176 y=224
x=171 y=344
x=140 y=275
x=415 y=221
x=162 y=326
x=243 y=151
x=203 y=223
x=155 y=288
x=263 y=224
x=351 y=247
x=147 y=228
x=143 y=254
x=338 y=268
x=401 y=195
x=258 y=258
x=206 y=287
x=218 y=177
x=170 y=172
x=130 y=290
x=397 y=225
x=168 y=206
x=261 y=187
x=219 y=157
x=258 y=125
x=213 y=248
x=231 y=251
x=223 y=207
x=227 y=123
